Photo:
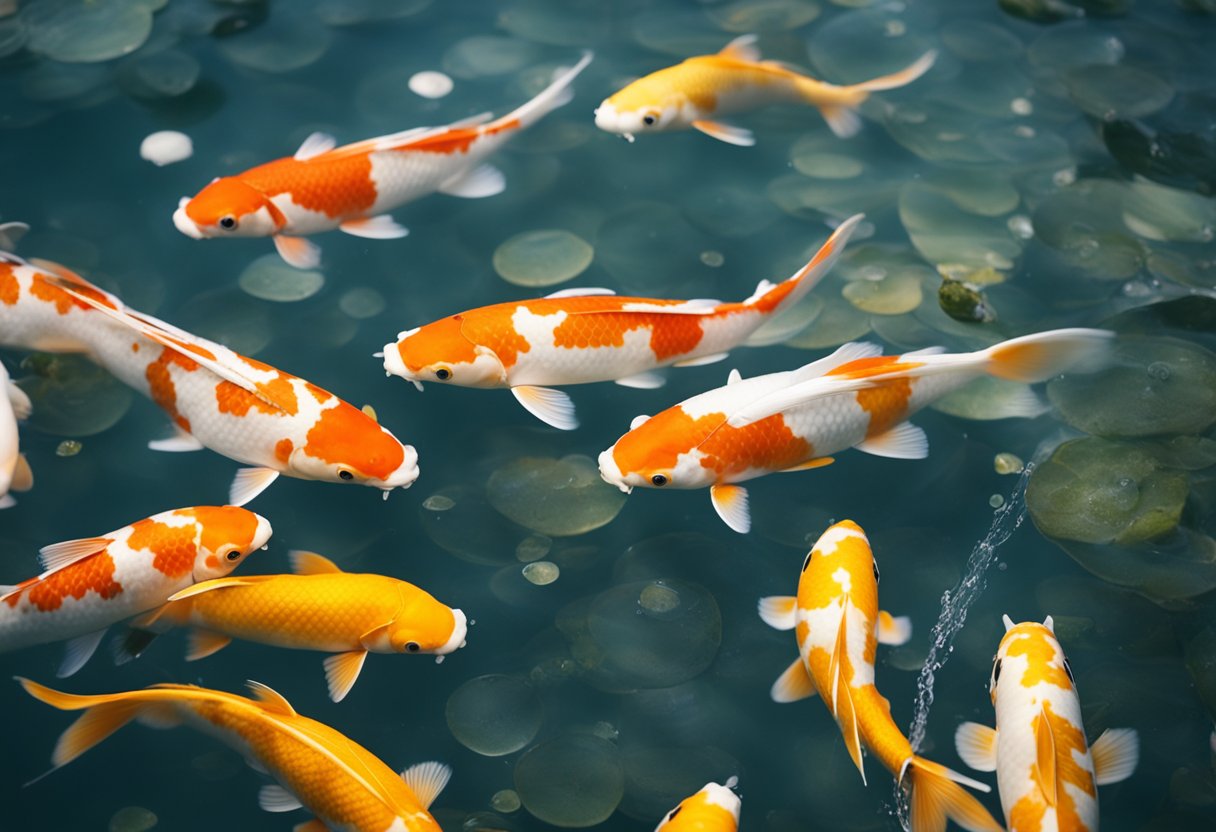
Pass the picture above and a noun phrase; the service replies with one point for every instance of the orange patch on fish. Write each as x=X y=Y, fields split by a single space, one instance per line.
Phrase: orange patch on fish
x=202 y=352
x=457 y=140
x=444 y=340
x=675 y=335
x=173 y=547
x=322 y=396
x=1027 y=814
x=345 y=435
x=886 y=403
x=1039 y=655
x=225 y=526
x=657 y=444
x=338 y=185
x=283 y=449
x=160 y=383
x=94 y=573
x=768 y=444
x=873 y=366
x=10 y=289
x=134 y=346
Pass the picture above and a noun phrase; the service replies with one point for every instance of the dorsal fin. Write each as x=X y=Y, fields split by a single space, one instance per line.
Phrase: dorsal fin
x=314 y=146
x=58 y=555
x=742 y=48
x=310 y=563
x=579 y=292
x=843 y=355
x=218 y=583
x=1045 y=759
x=271 y=700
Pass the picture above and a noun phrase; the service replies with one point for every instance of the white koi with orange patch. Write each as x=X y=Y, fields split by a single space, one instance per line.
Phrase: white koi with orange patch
x=241 y=408
x=701 y=91
x=343 y=784
x=94 y=582
x=838 y=626
x=578 y=336
x=15 y=474
x=795 y=420
x=353 y=187
x=715 y=808
x=1046 y=771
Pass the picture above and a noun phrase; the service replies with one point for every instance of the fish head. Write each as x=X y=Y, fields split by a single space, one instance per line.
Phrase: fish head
x=430 y=628
x=228 y=207
x=347 y=444
x=1029 y=654
x=441 y=352
x=645 y=106
x=660 y=452
x=226 y=535
x=716 y=807
x=840 y=565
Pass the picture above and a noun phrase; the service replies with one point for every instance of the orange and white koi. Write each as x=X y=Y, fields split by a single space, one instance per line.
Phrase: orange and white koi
x=94 y=582
x=837 y=623
x=585 y=335
x=713 y=809
x=702 y=91
x=15 y=474
x=237 y=406
x=795 y=420
x=318 y=608
x=343 y=784
x=1047 y=774
x=352 y=188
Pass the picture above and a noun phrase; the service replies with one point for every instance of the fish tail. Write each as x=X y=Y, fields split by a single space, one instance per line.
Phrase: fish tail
x=103 y=715
x=549 y=99
x=1042 y=355
x=769 y=298
x=935 y=796
x=839 y=104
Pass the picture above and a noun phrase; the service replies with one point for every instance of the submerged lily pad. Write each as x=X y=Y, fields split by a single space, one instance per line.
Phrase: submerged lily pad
x=79 y=31
x=460 y=521
x=494 y=715
x=1099 y=491
x=1157 y=386
x=745 y=16
x=658 y=778
x=572 y=781
x=542 y=258
x=891 y=295
x=269 y=278
x=72 y=396
x=556 y=497
x=991 y=398
x=286 y=43
x=1111 y=91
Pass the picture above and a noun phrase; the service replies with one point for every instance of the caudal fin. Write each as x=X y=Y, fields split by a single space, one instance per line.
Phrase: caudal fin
x=549 y=99
x=841 y=113
x=1040 y=356
x=103 y=715
x=935 y=796
x=768 y=298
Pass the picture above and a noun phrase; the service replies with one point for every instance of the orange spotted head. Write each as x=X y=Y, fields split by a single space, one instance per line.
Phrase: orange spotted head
x=713 y=809
x=423 y=625
x=661 y=452
x=841 y=564
x=1029 y=655
x=441 y=351
x=650 y=104
x=228 y=207
x=226 y=536
x=346 y=444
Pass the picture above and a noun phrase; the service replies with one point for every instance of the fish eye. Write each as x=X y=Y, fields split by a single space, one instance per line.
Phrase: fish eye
x=672 y=814
x=1068 y=670
x=807 y=562
x=235 y=554
x=876 y=577
x=648 y=119
x=346 y=475
x=412 y=647
x=443 y=374
x=228 y=222
x=658 y=480
x=996 y=672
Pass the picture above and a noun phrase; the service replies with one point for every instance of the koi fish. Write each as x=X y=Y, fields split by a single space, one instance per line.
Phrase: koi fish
x=838 y=625
x=318 y=608
x=577 y=336
x=352 y=188
x=94 y=582
x=1046 y=773
x=236 y=406
x=713 y=809
x=702 y=91
x=343 y=784
x=15 y=473
x=795 y=420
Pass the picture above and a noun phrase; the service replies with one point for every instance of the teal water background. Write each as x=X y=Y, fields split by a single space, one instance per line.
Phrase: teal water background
x=1010 y=164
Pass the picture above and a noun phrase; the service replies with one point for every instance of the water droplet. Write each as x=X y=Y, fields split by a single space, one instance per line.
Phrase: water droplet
x=713 y=259
x=362 y=302
x=68 y=447
x=438 y=502
x=1007 y=463
x=430 y=84
x=1021 y=106
x=166 y=147
x=1159 y=370
x=996 y=500
x=533 y=548
x=1021 y=226
x=506 y=800
x=542 y=572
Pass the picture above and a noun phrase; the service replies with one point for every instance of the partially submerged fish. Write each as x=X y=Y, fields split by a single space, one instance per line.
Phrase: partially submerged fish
x=703 y=91
x=577 y=336
x=715 y=808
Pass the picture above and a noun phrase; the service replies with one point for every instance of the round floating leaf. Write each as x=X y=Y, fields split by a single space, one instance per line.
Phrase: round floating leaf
x=79 y=31
x=542 y=258
x=494 y=715
x=556 y=497
x=269 y=278
x=746 y=16
x=572 y=781
x=1117 y=91
x=72 y=396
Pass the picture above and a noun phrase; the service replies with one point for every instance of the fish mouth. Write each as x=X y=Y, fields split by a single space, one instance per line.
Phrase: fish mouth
x=184 y=224
x=405 y=475
x=394 y=365
x=611 y=473
x=262 y=534
x=457 y=640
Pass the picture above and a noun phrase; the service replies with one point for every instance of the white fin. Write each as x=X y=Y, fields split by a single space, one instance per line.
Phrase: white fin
x=643 y=381
x=733 y=377
x=180 y=442
x=426 y=781
x=297 y=251
x=22 y=407
x=249 y=483
x=976 y=745
x=315 y=145
x=843 y=121
x=842 y=355
x=478 y=183
x=778 y=611
x=342 y=671
x=723 y=132
x=78 y=651
x=1040 y=356
x=550 y=98
x=1115 y=755
x=58 y=555
x=11 y=233
x=23 y=475
x=702 y=360
x=277 y=799
x=204 y=643
x=742 y=48
x=638 y=421
x=901 y=78
x=382 y=227
x=6 y=501
x=730 y=501
x=904 y=441
x=921 y=353
x=893 y=630
x=274 y=701
x=553 y=407
x=310 y=563
x=579 y=292
x=794 y=684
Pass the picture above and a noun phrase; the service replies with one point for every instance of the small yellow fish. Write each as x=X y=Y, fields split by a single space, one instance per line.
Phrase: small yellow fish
x=318 y=608
x=713 y=809
x=701 y=91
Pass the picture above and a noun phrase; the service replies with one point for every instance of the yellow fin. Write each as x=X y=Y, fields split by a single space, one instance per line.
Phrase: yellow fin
x=1044 y=771
x=778 y=611
x=794 y=684
x=23 y=477
x=218 y=583
x=730 y=501
x=742 y=48
x=103 y=716
x=818 y=462
x=273 y=701
x=342 y=671
x=203 y=643
x=313 y=825
x=936 y=795
x=976 y=745
x=893 y=630
x=1115 y=755
x=310 y=563
x=842 y=694
x=426 y=781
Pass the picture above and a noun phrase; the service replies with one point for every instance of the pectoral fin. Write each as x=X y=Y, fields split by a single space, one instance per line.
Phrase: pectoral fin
x=904 y=441
x=728 y=133
x=179 y=442
x=203 y=643
x=297 y=251
x=482 y=181
x=893 y=630
x=23 y=476
x=1115 y=755
x=342 y=671
x=382 y=227
x=78 y=651
x=426 y=781
x=778 y=611
x=730 y=501
x=249 y=483
x=794 y=684
x=553 y=407
x=277 y=799
x=976 y=745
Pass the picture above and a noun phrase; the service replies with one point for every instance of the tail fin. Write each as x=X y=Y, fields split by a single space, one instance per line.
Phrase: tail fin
x=103 y=715
x=841 y=114
x=1040 y=356
x=935 y=795
x=549 y=99
x=769 y=298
